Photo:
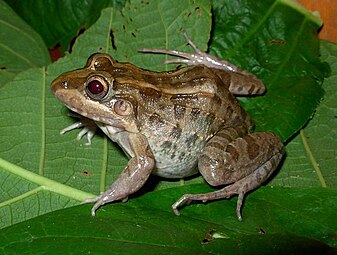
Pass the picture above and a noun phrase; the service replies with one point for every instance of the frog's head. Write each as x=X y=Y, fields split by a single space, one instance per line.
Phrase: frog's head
x=90 y=91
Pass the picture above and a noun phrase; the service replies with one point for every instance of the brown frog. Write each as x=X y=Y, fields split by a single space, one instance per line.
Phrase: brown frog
x=173 y=124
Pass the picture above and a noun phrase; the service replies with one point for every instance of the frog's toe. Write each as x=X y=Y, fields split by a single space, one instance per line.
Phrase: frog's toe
x=175 y=208
x=78 y=124
x=88 y=132
x=225 y=192
x=179 y=60
x=99 y=201
x=91 y=200
x=187 y=198
x=88 y=126
x=98 y=204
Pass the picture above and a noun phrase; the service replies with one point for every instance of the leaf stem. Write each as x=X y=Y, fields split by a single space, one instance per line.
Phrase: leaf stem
x=45 y=183
x=313 y=160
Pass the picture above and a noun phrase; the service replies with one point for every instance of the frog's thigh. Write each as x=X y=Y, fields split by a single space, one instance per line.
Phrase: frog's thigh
x=246 y=162
x=252 y=157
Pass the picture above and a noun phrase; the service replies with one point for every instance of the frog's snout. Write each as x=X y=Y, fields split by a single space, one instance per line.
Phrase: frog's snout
x=59 y=83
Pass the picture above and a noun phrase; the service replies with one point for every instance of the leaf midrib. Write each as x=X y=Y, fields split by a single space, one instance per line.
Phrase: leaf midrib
x=104 y=167
x=251 y=32
x=46 y=183
x=43 y=123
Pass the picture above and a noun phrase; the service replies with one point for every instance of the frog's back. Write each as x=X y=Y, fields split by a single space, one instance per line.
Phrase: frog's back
x=179 y=112
x=182 y=95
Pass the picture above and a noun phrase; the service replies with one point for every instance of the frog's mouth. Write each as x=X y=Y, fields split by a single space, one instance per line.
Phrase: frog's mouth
x=96 y=111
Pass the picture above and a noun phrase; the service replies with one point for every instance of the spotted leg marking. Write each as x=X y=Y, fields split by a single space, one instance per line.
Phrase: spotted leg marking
x=247 y=162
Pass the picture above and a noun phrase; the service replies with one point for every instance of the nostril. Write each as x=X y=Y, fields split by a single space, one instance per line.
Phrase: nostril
x=64 y=84
x=59 y=84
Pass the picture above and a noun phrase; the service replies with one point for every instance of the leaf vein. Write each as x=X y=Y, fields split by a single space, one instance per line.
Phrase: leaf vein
x=313 y=160
x=43 y=124
x=16 y=54
x=21 y=197
x=252 y=31
x=23 y=33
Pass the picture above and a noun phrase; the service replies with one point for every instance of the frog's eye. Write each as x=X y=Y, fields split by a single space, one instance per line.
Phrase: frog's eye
x=97 y=87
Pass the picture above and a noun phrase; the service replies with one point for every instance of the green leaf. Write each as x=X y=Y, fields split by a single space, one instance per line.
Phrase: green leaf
x=20 y=46
x=276 y=41
x=60 y=21
x=25 y=193
x=141 y=26
x=273 y=224
x=311 y=156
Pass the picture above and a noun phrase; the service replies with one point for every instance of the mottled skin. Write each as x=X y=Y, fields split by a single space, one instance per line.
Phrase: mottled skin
x=174 y=123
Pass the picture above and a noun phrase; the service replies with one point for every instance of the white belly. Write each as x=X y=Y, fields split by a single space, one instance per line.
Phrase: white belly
x=170 y=161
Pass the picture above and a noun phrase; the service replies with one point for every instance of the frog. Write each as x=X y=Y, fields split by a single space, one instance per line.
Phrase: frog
x=173 y=124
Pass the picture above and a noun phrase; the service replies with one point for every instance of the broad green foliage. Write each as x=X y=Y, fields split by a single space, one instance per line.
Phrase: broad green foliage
x=311 y=157
x=20 y=46
x=275 y=41
x=273 y=224
x=60 y=21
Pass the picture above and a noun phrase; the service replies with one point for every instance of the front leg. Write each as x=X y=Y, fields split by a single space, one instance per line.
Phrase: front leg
x=88 y=126
x=133 y=176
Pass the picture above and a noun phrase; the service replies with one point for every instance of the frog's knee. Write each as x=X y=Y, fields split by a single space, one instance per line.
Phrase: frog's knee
x=211 y=168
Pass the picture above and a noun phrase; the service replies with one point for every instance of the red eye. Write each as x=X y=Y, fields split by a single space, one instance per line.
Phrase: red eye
x=97 y=87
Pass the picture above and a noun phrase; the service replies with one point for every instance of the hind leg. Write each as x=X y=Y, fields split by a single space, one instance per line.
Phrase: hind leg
x=245 y=83
x=243 y=164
